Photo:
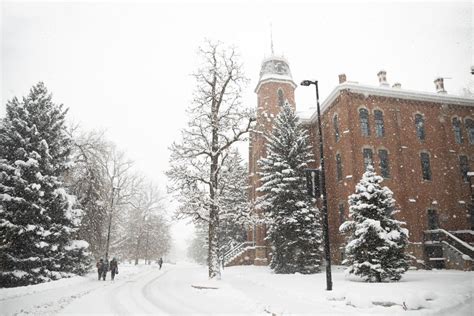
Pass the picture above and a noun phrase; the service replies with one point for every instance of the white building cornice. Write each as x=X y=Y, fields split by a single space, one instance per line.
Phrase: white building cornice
x=395 y=93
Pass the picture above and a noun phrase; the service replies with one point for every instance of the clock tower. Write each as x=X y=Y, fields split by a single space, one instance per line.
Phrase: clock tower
x=275 y=88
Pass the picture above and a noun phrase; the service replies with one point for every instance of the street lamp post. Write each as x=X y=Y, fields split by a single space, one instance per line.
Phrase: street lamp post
x=110 y=222
x=470 y=175
x=327 y=250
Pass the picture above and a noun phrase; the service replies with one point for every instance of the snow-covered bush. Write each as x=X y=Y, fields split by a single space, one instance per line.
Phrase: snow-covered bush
x=294 y=228
x=376 y=246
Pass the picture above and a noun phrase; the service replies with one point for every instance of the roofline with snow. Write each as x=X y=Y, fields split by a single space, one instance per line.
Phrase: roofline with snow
x=391 y=93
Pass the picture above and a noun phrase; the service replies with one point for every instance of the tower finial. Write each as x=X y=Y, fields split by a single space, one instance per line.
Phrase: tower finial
x=271 y=39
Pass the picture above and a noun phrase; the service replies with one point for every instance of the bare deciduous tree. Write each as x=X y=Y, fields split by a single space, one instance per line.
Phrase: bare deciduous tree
x=217 y=121
x=147 y=231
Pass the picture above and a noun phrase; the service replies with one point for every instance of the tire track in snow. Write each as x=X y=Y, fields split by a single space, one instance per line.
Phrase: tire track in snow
x=166 y=303
x=124 y=293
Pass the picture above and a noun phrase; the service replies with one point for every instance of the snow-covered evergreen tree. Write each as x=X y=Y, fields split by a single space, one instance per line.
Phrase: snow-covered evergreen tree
x=294 y=221
x=375 y=250
x=38 y=219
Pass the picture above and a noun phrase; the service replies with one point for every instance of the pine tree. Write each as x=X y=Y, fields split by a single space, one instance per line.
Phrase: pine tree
x=37 y=215
x=294 y=221
x=375 y=250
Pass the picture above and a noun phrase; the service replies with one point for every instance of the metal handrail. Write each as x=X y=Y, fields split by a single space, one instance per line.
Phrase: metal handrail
x=237 y=250
x=460 y=245
x=459 y=252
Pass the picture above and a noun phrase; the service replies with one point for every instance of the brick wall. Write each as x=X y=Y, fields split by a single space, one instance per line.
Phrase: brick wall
x=446 y=190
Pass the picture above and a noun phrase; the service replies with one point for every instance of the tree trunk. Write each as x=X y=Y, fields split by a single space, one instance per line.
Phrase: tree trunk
x=137 y=251
x=214 y=267
x=146 y=247
x=214 y=270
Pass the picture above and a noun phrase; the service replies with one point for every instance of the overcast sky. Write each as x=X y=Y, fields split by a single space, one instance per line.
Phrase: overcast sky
x=125 y=66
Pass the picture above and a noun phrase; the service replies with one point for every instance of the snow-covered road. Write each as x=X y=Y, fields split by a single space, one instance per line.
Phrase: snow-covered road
x=154 y=291
x=243 y=290
x=136 y=290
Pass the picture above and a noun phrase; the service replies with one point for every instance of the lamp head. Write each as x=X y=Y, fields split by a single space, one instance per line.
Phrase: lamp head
x=306 y=83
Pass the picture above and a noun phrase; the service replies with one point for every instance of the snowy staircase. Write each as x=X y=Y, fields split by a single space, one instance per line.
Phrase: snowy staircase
x=230 y=257
x=444 y=250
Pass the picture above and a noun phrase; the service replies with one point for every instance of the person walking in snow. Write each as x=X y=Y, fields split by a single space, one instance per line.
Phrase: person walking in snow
x=113 y=268
x=160 y=262
x=105 y=269
x=100 y=268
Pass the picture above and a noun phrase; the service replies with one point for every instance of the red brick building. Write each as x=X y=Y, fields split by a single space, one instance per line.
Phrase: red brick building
x=421 y=143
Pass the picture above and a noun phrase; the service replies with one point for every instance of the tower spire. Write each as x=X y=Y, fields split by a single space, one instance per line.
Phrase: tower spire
x=271 y=39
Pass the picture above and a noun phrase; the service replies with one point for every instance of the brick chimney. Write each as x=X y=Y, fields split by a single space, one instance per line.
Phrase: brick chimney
x=397 y=85
x=439 y=83
x=342 y=78
x=382 y=74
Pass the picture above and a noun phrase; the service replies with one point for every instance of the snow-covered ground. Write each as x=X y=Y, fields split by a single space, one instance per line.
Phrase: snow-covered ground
x=243 y=290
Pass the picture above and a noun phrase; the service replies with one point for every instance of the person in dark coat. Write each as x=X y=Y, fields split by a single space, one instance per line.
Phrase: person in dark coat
x=113 y=268
x=100 y=268
x=105 y=269
x=160 y=262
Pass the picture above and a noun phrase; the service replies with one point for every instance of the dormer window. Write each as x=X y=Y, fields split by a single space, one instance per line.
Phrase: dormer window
x=281 y=97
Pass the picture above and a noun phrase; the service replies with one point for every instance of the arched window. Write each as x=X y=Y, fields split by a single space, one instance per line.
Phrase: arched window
x=457 y=130
x=368 y=159
x=379 y=128
x=464 y=167
x=336 y=128
x=420 y=126
x=470 y=130
x=338 y=167
x=281 y=97
x=384 y=164
x=364 y=122
x=425 y=166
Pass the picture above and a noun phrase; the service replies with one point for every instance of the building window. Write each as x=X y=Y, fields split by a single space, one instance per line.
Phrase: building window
x=364 y=122
x=457 y=130
x=425 y=166
x=379 y=128
x=281 y=98
x=341 y=213
x=470 y=130
x=420 y=126
x=464 y=167
x=367 y=158
x=338 y=167
x=336 y=128
x=433 y=221
x=384 y=164
x=471 y=213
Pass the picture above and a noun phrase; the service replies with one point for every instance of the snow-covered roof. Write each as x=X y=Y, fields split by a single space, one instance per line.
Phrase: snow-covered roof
x=387 y=91
x=306 y=114
x=275 y=68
